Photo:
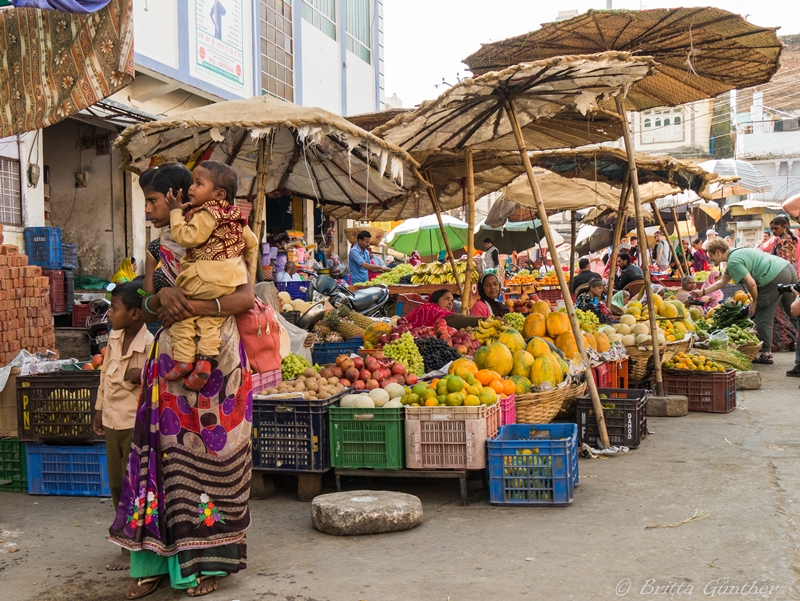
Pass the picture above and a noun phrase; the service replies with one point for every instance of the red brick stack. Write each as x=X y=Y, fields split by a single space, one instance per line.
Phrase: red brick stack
x=24 y=306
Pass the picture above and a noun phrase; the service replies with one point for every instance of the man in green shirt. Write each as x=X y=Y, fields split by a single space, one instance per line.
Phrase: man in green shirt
x=760 y=273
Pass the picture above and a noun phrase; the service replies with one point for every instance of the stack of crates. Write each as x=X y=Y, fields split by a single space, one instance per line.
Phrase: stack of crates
x=54 y=415
x=58 y=262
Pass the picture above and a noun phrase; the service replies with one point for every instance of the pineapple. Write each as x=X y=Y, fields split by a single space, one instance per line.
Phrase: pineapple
x=349 y=330
x=362 y=321
x=322 y=329
x=333 y=337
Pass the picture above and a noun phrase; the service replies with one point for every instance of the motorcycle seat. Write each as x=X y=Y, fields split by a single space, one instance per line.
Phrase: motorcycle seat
x=364 y=298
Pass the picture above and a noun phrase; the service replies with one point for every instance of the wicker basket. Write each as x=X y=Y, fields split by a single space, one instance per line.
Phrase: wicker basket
x=542 y=407
x=376 y=233
x=750 y=350
x=640 y=363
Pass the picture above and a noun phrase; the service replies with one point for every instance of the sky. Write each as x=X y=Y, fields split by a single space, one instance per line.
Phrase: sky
x=425 y=40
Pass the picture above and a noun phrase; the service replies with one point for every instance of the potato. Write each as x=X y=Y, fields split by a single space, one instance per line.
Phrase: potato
x=333 y=381
x=309 y=372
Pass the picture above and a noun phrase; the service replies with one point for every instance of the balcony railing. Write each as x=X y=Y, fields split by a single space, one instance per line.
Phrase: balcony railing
x=768 y=127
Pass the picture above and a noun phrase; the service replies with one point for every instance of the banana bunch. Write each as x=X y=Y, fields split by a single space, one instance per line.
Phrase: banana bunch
x=489 y=330
x=440 y=273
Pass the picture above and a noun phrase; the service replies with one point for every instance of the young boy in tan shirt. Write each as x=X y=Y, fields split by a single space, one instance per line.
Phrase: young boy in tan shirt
x=120 y=384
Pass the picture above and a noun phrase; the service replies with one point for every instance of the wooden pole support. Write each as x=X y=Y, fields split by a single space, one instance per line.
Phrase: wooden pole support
x=621 y=220
x=465 y=299
x=643 y=246
x=573 y=318
x=573 y=226
x=435 y=203
x=663 y=227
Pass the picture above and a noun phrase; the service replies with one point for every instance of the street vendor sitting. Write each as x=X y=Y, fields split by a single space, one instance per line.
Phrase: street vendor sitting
x=439 y=306
x=592 y=301
x=687 y=285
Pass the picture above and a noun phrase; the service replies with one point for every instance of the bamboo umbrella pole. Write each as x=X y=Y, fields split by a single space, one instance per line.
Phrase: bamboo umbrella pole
x=663 y=227
x=465 y=298
x=573 y=318
x=621 y=219
x=680 y=240
x=637 y=203
x=573 y=225
x=435 y=203
x=260 y=205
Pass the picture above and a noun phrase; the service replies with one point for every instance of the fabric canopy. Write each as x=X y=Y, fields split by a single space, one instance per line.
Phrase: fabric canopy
x=55 y=64
x=472 y=113
x=314 y=154
x=701 y=52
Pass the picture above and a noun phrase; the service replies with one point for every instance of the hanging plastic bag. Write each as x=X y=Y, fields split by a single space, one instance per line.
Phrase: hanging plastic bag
x=718 y=341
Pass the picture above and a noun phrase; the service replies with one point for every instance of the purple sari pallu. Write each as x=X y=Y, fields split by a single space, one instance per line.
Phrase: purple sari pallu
x=188 y=482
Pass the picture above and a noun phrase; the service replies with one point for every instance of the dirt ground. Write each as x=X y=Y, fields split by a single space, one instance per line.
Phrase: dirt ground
x=740 y=468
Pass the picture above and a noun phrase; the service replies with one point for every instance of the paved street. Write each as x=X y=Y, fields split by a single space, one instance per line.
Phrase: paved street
x=741 y=468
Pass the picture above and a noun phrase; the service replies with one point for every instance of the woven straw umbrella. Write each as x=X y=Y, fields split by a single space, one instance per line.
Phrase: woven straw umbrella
x=700 y=54
x=494 y=111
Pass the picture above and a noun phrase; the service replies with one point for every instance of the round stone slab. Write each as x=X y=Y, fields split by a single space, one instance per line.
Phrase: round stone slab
x=365 y=512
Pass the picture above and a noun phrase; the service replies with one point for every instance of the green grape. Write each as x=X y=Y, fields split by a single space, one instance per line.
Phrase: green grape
x=293 y=366
x=404 y=350
x=515 y=320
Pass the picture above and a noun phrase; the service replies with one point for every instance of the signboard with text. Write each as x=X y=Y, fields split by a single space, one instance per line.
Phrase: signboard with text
x=217 y=42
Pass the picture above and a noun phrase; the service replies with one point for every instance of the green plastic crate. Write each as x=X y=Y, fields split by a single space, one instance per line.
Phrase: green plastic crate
x=13 y=465
x=367 y=438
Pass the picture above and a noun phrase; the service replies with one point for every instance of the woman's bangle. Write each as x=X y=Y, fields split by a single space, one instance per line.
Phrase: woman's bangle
x=219 y=308
x=147 y=305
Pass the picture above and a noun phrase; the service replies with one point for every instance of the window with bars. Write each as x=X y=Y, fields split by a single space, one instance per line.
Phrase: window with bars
x=322 y=15
x=662 y=125
x=10 y=199
x=277 y=49
x=359 y=29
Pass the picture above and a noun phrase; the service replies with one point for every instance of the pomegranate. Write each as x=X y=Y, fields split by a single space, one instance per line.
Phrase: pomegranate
x=347 y=364
x=358 y=363
x=351 y=374
x=372 y=384
x=338 y=372
x=345 y=382
x=326 y=373
x=359 y=385
x=365 y=375
x=398 y=369
x=377 y=375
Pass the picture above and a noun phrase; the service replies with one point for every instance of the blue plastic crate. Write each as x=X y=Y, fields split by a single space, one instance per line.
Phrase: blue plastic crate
x=43 y=246
x=295 y=289
x=326 y=352
x=68 y=471
x=69 y=256
x=533 y=464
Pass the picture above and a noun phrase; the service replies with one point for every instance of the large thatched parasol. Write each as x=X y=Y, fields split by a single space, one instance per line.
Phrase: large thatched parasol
x=308 y=152
x=701 y=52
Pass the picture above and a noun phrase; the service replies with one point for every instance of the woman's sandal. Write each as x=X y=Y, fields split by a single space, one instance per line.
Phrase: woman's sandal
x=763 y=359
x=192 y=592
x=144 y=586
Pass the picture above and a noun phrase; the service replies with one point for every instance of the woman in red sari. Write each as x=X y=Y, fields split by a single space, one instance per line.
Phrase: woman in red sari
x=439 y=306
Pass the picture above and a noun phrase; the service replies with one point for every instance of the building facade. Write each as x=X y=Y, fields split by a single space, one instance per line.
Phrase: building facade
x=189 y=53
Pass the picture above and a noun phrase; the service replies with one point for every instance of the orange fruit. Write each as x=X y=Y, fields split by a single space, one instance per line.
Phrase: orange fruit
x=484 y=376
x=497 y=386
x=495 y=375
x=434 y=402
x=509 y=387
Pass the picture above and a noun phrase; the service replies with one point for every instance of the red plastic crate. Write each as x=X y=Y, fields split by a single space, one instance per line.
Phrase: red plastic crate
x=80 y=313
x=553 y=295
x=710 y=392
x=58 y=289
x=618 y=373
x=508 y=410
x=600 y=374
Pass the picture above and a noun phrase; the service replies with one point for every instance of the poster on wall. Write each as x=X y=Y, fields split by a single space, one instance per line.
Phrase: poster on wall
x=217 y=33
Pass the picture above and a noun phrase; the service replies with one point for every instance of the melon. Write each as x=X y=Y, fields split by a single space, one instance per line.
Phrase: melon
x=393 y=404
x=628 y=320
x=364 y=401
x=284 y=297
x=379 y=396
x=629 y=340
x=622 y=328
x=643 y=339
x=640 y=328
x=608 y=330
x=287 y=307
x=614 y=338
x=349 y=400
x=395 y=391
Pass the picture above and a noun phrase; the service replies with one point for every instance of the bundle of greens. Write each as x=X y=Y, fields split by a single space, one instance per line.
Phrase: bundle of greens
x=730 y=358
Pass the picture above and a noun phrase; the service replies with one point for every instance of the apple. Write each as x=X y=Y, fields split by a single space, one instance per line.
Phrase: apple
x=462 y=350
x=411 y=379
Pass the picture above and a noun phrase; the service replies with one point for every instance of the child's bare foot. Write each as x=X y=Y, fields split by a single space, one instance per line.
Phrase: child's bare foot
x=119 y=563
x=180 y=370
x=205 y=585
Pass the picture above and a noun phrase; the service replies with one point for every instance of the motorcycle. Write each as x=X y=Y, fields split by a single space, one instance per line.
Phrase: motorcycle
x=97 y=326
x=369 y=300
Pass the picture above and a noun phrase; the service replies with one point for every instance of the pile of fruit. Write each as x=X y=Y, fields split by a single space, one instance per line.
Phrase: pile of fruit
x=404 y=350
x=739 y=337
x=287 y=304
x=435 y=353
x=385 y=398
x=440 y=273
x=522 y=278
x=525 y=304
x=310 y=385
x=550 y=279
x=514 y=320
x=461 y=341
x=293 y=366
x=668 y=309
x=588 y=320
x=490 y=330
x=464 y=384
x=96 y=362
x=692 y=362
x=390 y=278
x=341 y=324
x=630 y=333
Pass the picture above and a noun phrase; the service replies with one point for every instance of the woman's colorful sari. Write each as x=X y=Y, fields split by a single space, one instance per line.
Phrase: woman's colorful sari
x=185 y=496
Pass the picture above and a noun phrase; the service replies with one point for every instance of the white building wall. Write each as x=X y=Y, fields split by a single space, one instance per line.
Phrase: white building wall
x=360 y=86
x=695 y=132
x=321 y=69
x=31 y=197
x=154 y=34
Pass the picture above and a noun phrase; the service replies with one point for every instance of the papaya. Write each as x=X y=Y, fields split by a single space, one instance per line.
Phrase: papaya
x=374 y=332
x=566 y=342
x=603 y=343
x=559 y=373
x=589 y=340
x=496 y=357
x=537 y=347
x=542 y=307
x=564 y=367
x=543 y=372
x=549 y=340
x=535 y=325
x=554 y=348
x=668 y=310
x=695 y=313
x=513 y=340
x=523 y=361
x=557 y=324
x=470 y=366
x=679 y=307
x=522 y=383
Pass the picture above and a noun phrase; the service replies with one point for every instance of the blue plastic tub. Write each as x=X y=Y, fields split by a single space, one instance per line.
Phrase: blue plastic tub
x=533 y=464
x=43 y=246
x=78 y=471
x=294 y=289
x=326 y=352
